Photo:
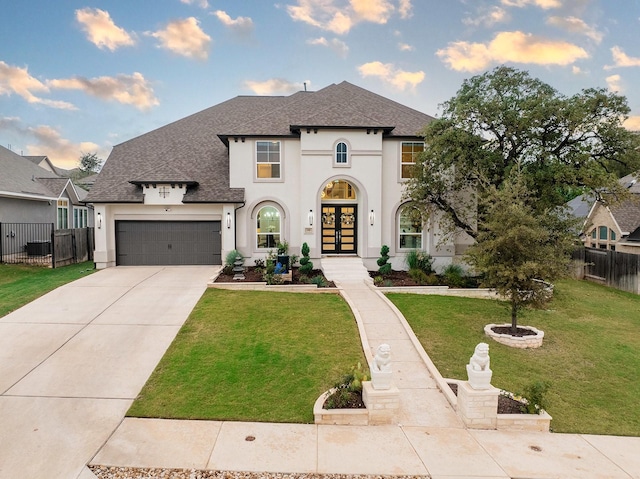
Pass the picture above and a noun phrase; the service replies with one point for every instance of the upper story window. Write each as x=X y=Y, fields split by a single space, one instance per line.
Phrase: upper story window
x=602 y=237
x=268 y=159
x=410 y=228
x=342 y=157
x=63 y=214
x=409 y=151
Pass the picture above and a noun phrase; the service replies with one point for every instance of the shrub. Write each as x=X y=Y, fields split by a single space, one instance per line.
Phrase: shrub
x=229 y=260
x=346 y=388
x=319 y=281
x=306 y=266
x=421 y=260
x=377 y=280
x=535 y=396
x=418 y=276
x=384 y=266
x=259 y=263
x=454 y=276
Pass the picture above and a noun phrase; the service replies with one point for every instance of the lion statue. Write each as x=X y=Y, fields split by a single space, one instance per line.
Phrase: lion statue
x=480 y=359
x=382 y=359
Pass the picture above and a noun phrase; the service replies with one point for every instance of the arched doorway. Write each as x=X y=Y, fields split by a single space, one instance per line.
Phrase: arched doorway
x=339 y=218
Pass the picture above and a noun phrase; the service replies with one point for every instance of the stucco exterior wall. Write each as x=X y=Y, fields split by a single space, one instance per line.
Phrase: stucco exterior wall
x=13 y=210
x=601 y=216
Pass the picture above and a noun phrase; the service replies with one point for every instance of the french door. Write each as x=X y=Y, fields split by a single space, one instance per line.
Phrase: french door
x=339 y=229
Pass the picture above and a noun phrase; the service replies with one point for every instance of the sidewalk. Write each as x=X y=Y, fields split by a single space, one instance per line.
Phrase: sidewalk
x=429 y=439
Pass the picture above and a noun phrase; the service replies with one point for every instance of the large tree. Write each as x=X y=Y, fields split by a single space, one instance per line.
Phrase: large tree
x=518 y=247
x=90 y=163
x=505 y=119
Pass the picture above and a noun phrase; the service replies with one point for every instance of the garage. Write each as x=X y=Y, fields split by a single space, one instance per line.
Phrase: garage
x=140 y=243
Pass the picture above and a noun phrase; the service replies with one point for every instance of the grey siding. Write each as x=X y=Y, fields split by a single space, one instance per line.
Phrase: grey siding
x=13 y=210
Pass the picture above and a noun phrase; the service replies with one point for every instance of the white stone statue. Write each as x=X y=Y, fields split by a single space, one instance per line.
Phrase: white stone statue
x=382 y=359
x=478 y=368
x=381 y=371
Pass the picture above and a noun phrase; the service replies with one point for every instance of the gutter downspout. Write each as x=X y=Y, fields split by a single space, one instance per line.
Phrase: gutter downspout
x=235 y=225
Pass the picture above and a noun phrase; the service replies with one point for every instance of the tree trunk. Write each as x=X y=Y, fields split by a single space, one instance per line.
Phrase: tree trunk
x=514 y=317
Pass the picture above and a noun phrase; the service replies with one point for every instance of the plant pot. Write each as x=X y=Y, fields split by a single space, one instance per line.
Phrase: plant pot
x=284 y=261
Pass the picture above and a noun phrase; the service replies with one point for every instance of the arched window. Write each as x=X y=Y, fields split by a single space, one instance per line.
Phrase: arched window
x=341 y=154
x=268 y=227
x=338 y=190
x=410 y=228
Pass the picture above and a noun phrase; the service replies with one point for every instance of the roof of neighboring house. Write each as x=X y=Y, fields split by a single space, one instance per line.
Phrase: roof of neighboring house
x=627 y=213
x=22 y=177
x=580 y=206
x=192 y=149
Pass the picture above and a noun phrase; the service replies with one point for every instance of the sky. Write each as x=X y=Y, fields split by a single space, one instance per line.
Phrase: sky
x=82 y=76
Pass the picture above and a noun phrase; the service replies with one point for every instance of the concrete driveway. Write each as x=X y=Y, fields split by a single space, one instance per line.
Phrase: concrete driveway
x=72 y=362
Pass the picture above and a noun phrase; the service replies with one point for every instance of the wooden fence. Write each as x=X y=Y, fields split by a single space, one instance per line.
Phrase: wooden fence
x=40 y=243
x=615 y=269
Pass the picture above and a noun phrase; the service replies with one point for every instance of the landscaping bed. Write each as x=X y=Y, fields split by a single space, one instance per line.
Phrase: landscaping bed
x=253 y=274
x=404 y=278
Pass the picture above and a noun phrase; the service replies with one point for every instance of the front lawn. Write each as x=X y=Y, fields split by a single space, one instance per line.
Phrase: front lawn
x=20 y=283
x=590 y=355
x=253 y=356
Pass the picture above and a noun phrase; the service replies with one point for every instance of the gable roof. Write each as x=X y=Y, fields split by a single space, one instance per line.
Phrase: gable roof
x=193 y=149
x=22 y=178
x=627 y=213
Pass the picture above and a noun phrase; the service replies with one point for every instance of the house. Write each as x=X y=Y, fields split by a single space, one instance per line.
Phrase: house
x=32 y=194
x=326 y=168
x=616 y=227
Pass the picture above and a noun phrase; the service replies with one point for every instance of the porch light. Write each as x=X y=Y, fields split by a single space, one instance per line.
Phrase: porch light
x=228 y=220
x=99 y=220
x=372 y=218
x=310 y=217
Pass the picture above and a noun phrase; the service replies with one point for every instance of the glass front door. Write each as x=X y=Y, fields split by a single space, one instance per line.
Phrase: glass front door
x=339 y=229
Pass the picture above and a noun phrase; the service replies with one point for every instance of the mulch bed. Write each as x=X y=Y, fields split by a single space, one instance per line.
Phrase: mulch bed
x=506 y=405
x=254 y=275
x=353 y=401
x=520 y=332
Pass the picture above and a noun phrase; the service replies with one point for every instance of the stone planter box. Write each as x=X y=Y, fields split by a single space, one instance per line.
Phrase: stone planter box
x=524 y=422
x=341 y=417
x=524 y=342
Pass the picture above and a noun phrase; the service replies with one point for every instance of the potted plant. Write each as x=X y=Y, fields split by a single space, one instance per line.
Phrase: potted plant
x=283 y=256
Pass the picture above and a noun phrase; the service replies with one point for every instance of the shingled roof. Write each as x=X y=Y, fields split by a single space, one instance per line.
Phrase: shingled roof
x=193 y=149
x=21 y=177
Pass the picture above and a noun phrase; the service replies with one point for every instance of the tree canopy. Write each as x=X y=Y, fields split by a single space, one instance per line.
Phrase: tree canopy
x=505 y=119
x=90 y=163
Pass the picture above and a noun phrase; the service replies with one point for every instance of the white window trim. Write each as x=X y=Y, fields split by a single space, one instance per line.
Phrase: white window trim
x=65 y=207
x=401 y=208
x=255 y=225
x=335 y=154
x=257 y=179
x=402 y=179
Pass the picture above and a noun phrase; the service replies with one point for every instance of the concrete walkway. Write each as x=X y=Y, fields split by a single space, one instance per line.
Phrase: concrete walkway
x=68 y=377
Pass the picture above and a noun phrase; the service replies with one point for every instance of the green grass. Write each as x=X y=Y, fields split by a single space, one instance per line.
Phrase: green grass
x=253 y=356
x=20 y=284
x=590 y=355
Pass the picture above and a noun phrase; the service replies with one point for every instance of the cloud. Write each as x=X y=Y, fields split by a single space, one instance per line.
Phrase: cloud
x=576 y=25
x=126 y=89
x=544 y=4
x=405 y=47
x=18 y=80
x=184 y=37
x=200 y=3
x=274 y=86
x=517 y=47
x=614 y=83
x=621 y=59
x=335 y=44
x=576 y=70
x=339 y=16
x=101 y=31
x=404 y=8
x=632 y=123
x=242 y=26
x=490 y=18
x=388 y=73
x=49 y=142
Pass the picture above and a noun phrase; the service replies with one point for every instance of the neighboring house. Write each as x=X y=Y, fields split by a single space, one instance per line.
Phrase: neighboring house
x=326 y=168
x=30 y=193
x=616 y=227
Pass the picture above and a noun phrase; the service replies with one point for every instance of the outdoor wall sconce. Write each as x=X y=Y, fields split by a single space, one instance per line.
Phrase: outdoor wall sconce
x=372 y=218
x=310 y=217
x=99 y=220
x=228 y=220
